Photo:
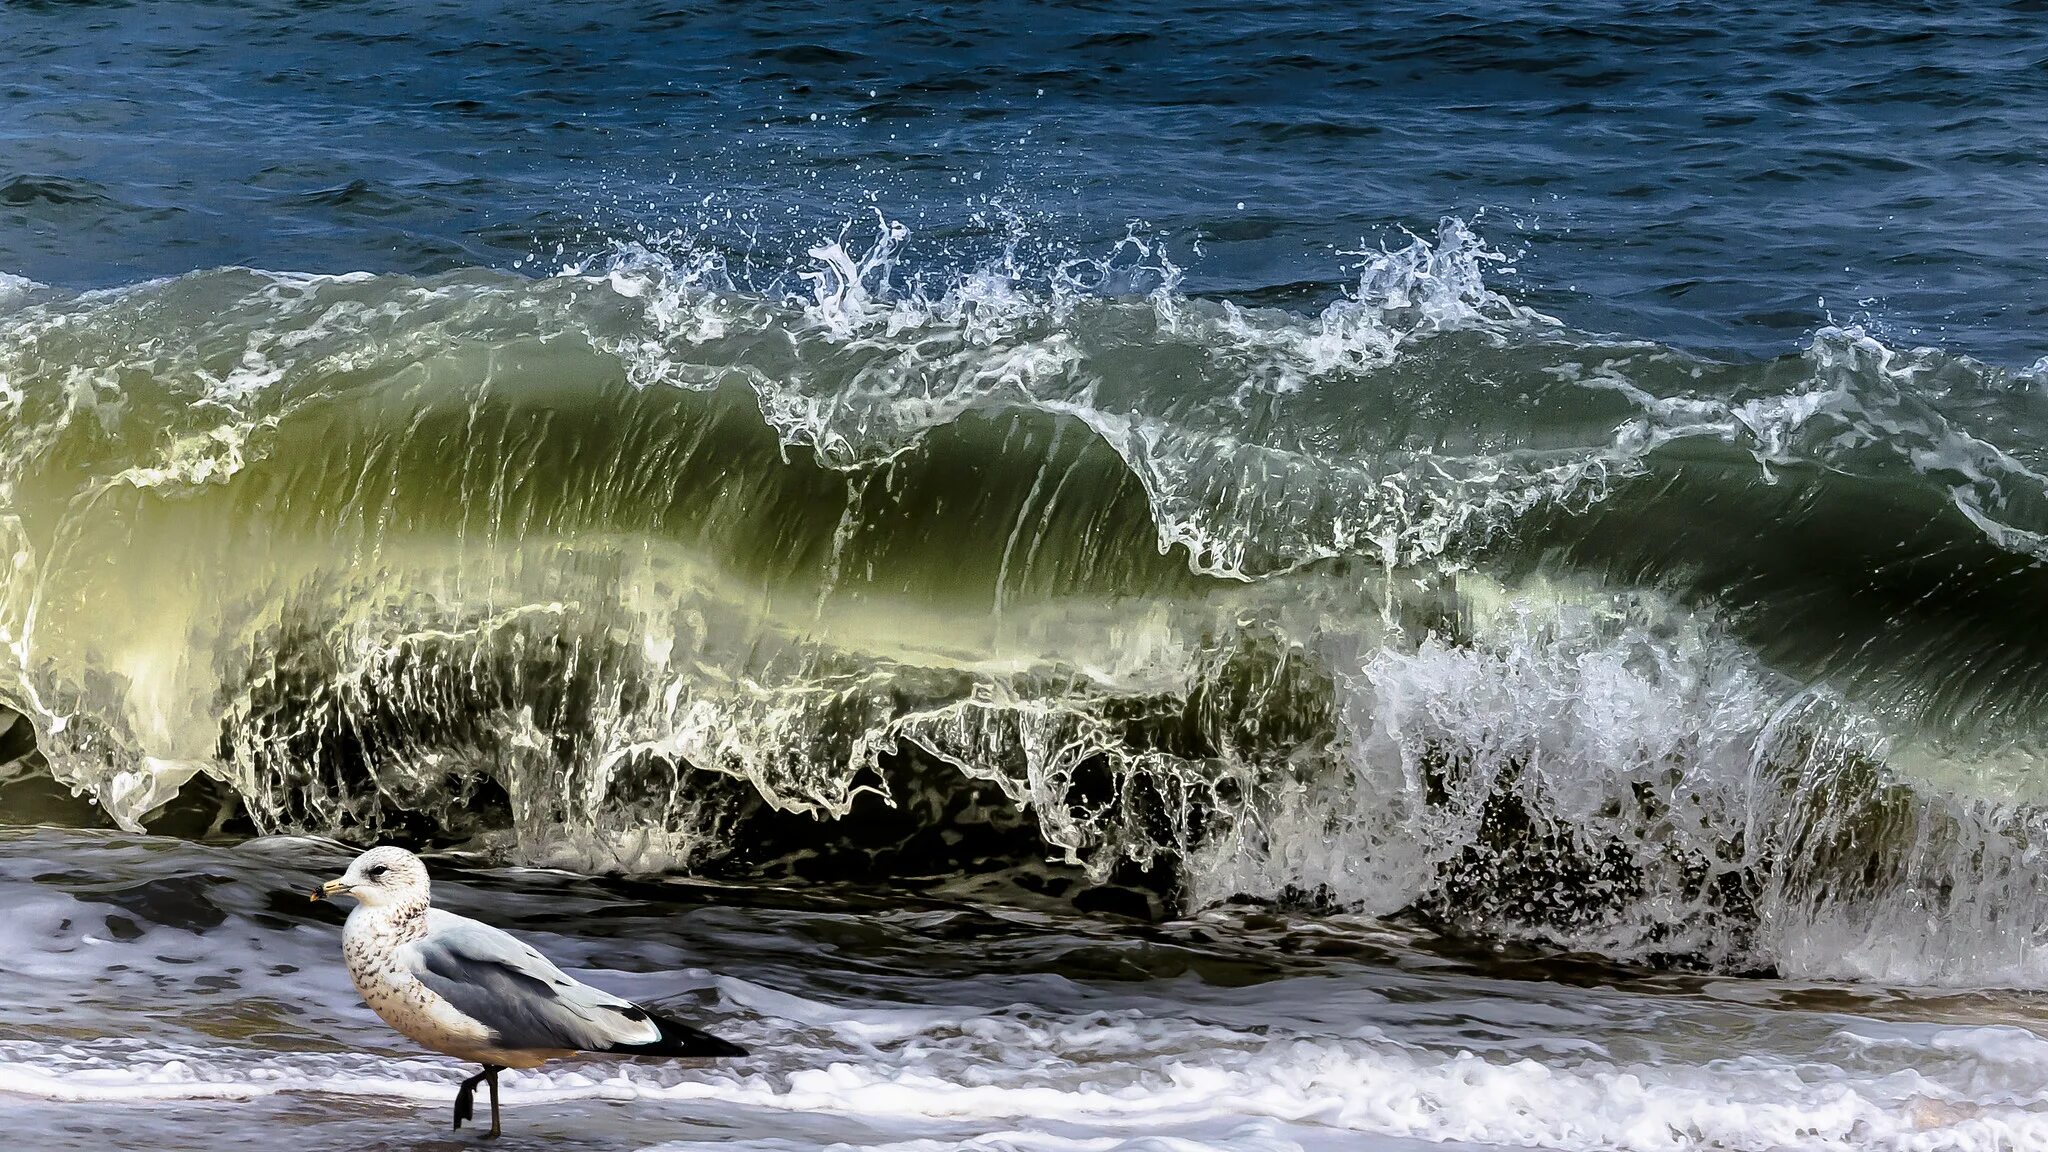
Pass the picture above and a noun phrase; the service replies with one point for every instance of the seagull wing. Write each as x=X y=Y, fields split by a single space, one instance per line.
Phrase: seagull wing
x=500 y=982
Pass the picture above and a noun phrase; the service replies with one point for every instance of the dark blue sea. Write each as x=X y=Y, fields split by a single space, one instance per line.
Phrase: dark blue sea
x=1077 y=577
x=1717 y=176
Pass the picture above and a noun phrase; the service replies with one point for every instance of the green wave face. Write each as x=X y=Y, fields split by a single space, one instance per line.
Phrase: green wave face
x=1421 y=604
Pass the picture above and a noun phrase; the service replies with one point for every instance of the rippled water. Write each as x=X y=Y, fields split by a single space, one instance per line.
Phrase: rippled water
x=1077 y=577
x=1725 y=174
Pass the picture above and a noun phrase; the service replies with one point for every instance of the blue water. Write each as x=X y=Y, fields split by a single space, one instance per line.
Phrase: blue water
x=1718 y=176
x=1279 y=576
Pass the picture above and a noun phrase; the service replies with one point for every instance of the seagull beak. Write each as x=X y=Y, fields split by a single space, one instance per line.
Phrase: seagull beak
x=331 y=888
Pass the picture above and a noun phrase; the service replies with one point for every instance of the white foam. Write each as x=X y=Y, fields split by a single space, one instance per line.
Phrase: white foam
x=14 y=288
x=1104 y=1079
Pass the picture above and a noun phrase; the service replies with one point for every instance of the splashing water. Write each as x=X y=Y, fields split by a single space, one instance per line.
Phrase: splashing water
x=1420 y=603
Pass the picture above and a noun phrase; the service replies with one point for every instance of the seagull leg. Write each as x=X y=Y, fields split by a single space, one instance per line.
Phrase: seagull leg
x=465 y=1096
x=491 y=1077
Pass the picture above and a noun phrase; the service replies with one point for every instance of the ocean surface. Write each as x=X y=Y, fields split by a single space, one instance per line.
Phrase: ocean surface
x=1081 y=578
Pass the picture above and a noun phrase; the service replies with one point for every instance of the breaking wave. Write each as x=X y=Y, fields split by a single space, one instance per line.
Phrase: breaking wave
x=1421 y=604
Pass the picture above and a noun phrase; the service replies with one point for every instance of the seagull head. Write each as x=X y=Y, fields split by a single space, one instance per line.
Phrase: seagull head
x=386 y=875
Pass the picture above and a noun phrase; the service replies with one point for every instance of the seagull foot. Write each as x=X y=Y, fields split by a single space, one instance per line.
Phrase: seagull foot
x=465 y=1102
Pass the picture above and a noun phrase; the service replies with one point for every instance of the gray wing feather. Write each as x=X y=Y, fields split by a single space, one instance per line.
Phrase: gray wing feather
x=500 y=982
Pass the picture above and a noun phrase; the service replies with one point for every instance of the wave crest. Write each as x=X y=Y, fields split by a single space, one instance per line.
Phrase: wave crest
x=1420 y=603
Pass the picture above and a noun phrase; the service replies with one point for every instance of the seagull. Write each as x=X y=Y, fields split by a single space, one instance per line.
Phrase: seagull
x=471 y=991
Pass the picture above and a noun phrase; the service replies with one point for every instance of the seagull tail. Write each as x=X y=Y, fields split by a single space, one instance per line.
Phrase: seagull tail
x=679 y=1039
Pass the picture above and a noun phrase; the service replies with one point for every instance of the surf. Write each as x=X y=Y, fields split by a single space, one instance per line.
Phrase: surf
x=1419 y=604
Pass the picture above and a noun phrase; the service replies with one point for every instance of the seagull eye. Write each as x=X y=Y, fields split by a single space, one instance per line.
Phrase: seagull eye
x=379 y=870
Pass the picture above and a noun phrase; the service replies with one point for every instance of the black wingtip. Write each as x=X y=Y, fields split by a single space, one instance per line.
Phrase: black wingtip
x=680 y=1040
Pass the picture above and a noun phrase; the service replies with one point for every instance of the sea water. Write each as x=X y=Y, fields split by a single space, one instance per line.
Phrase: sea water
x=1074 y=577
